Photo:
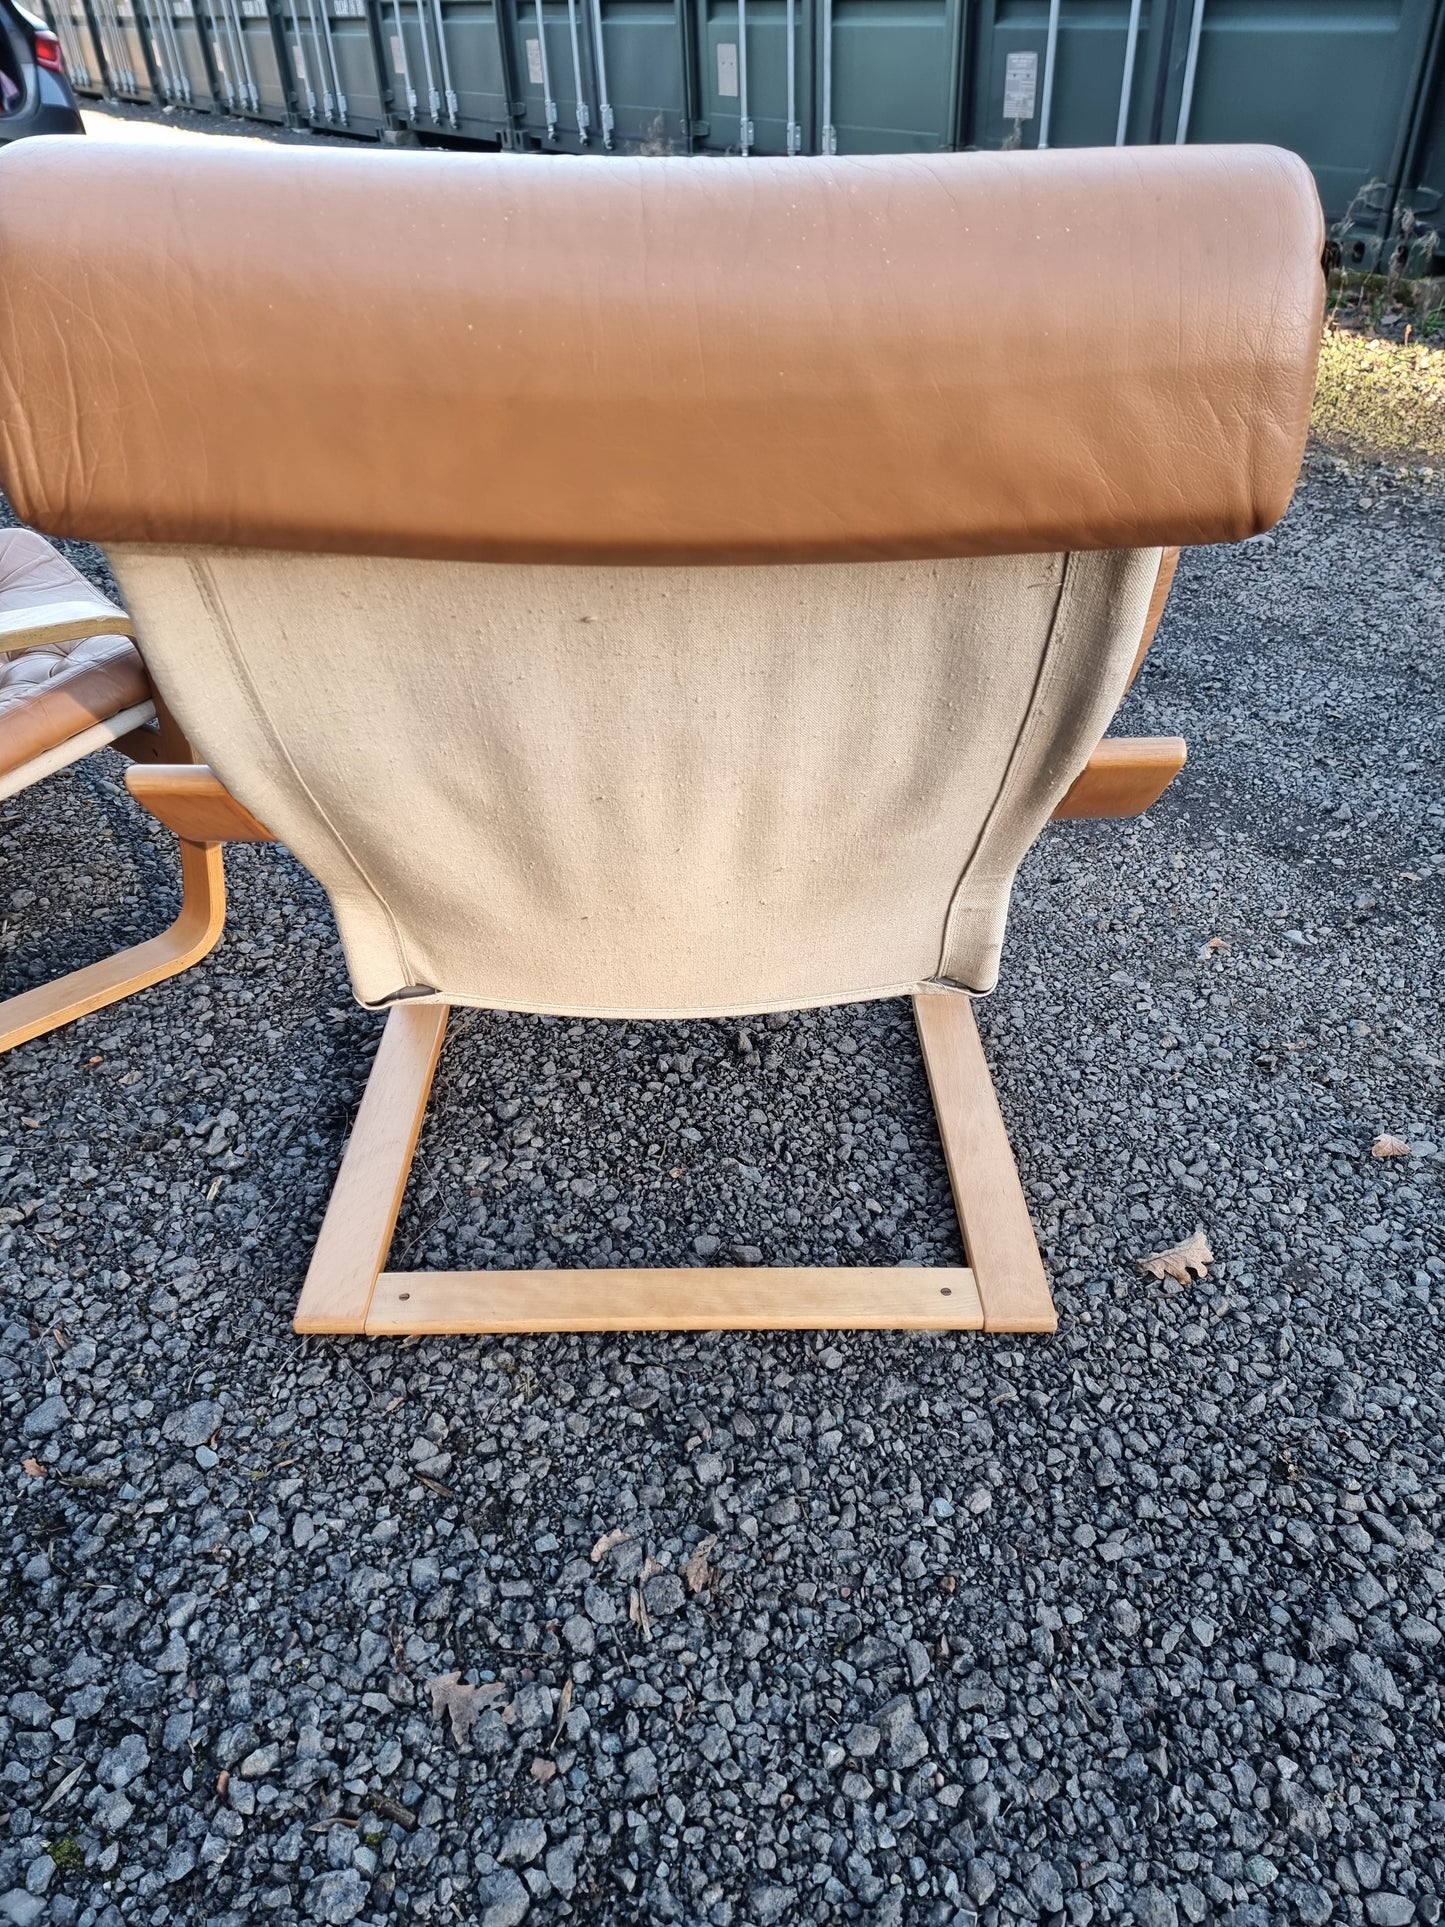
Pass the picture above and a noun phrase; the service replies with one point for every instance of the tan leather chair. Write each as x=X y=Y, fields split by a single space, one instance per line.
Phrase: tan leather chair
x=71 y=682
x=654 y=587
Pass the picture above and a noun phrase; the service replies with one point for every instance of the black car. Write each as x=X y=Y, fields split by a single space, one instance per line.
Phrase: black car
x=35 y=96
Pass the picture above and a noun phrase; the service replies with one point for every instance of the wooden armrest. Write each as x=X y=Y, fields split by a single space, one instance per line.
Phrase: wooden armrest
x=193 y=802
x=60 y=622
x=1124 y=776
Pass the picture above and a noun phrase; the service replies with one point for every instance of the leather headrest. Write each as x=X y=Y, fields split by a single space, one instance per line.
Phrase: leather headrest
x=656 y=360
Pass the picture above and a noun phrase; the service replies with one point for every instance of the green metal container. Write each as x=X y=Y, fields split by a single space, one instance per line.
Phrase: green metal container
x=1419 y=234
x=639 y=63
x=248 y=59
x=449 y=65
x=127 y=57
x=71 y=25
x=887 y=75
x=1335 y=81
x=266 y=72
x=755 y=75
x=333 y=48
x=555 y=62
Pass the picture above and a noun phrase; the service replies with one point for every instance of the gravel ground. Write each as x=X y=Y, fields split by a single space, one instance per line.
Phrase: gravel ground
x=1140 y=1622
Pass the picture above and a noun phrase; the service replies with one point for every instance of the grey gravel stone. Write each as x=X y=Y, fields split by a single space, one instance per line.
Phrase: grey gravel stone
x=123 y=1762
x=767 y=1904
x=194 y=1425
x=1154 y=1604
x=1389 y=1910
x=523 y=1842
x=46 y=1418
x=502 y=1898
x=336 y=1898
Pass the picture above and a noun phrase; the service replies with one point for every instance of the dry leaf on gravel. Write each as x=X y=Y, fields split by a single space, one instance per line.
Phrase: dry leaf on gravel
x=543 y=1770
x=564 y=1707
x=1386 y=1146
x=618 y=1536
x=650 y=1569
x=697 y=1572
x=637 y=1612
x=32 y=1468
x=1179 y=1261
x=465 y=1704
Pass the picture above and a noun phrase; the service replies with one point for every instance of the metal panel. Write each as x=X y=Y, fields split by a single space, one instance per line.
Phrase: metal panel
x=1077 y=75
x=190 y=51
x=72 y=28
x=127 y=61
x=1332 y=79
x=887 y=71
x=1419 y=238
x=642 y=86
x=556 y=79
x=450 y=66
x=756 y=63
x=333 y=47
x=265 y=68
x=230 y=54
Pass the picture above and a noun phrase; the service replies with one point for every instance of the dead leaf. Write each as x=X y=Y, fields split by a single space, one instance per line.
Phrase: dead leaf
x=650 y=1569
x=1385 y=1146
x=1179 y=1261
x=637 y=1612
x=1209 y=949
x=223 y=1781
x=618 y=1536
x=697 y=1572
x=543 y=1770
x=465 y=1704
x=32 y=1468
x=564 y=1707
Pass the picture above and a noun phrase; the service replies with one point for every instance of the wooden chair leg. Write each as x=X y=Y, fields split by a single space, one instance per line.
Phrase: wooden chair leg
x=993 y=1215
x=349 y=1289
x=197 y=927
x=356 y=1232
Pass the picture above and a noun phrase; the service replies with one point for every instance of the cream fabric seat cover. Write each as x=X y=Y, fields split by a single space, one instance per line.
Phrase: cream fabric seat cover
x=653 y=586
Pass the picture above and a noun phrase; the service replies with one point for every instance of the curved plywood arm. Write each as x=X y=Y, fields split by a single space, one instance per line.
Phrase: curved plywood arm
x=1163 y=582
x=52 y=622
x=1124 y=776
x=189 y=799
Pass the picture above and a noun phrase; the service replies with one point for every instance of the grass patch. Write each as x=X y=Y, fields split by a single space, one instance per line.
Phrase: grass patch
x=1379 y=397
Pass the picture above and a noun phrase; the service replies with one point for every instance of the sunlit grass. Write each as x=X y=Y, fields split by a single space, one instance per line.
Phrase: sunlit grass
x=1379 y=397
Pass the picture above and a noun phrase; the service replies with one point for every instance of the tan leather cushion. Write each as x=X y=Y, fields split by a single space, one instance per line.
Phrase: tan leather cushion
x=54 y=691
x=651 y=360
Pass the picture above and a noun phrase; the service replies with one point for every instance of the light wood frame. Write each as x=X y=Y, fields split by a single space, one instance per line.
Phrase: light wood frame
x=146 y=730
x=1002 y=1287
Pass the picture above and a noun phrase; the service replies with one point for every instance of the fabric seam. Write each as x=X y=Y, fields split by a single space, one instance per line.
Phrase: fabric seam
x=215 y=604
x=1027 y=729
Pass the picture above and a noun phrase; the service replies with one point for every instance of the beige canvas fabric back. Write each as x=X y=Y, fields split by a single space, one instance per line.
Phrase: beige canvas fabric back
x=614 y=637
x=649 y=790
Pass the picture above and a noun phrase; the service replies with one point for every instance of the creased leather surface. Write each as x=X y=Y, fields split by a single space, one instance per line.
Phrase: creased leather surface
x=56 y=690
x=656 y=360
